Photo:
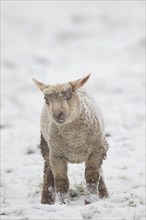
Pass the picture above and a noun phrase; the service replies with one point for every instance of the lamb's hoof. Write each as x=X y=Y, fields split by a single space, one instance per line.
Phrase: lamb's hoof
x=90 y=198
x=104 y=196
x=47 y=199
x=62 y=198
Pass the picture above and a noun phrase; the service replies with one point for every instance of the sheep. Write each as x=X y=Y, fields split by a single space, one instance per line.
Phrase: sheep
x=72 y=131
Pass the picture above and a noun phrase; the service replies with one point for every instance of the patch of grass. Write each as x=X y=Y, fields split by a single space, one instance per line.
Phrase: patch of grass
x=133 y=200
x=132 y=203
x=77 y=190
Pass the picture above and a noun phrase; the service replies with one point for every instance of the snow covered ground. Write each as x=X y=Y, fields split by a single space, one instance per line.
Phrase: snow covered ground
x=59 y=41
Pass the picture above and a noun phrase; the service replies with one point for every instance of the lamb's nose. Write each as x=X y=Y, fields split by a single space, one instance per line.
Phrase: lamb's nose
x=59 y=115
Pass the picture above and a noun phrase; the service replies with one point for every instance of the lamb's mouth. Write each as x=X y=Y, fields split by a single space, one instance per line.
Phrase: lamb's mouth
x=60 y=121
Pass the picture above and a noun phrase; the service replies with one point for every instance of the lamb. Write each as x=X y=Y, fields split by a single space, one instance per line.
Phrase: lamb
x=72 y=131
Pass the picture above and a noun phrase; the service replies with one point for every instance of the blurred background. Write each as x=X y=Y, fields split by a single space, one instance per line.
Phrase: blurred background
x=60 y=41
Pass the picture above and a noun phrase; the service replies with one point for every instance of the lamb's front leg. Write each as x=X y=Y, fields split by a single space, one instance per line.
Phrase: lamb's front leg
x=59 y=168
x=92 y=176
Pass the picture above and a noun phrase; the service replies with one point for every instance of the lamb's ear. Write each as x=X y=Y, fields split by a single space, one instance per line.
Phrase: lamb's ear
x=80 y=82
x=40 y=85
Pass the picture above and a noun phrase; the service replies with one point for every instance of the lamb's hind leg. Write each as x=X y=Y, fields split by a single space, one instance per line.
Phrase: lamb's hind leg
x=48 y=182
x=103 y=193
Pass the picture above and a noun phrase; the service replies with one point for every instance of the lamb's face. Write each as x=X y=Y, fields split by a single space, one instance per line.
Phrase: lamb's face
x=62 y=103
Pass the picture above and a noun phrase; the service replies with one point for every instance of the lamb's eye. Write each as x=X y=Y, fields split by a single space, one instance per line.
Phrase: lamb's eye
x=67 y=94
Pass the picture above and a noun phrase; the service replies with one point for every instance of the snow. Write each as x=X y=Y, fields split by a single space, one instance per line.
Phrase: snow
x=60 y=41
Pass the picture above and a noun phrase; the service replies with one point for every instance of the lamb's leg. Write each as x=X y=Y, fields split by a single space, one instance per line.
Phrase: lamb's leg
x=48 y=183
x=59 y=168
x=103 y=193
x=92 y=176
